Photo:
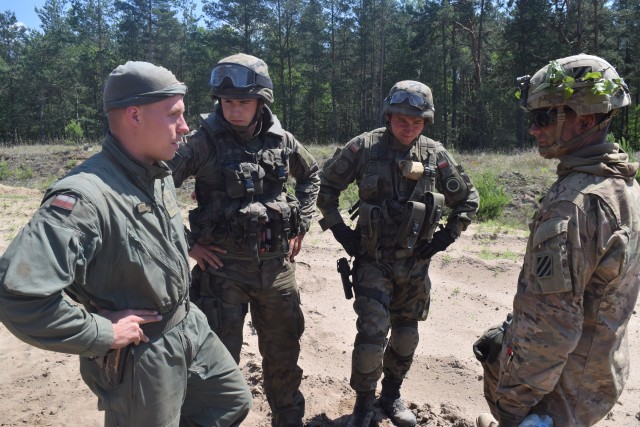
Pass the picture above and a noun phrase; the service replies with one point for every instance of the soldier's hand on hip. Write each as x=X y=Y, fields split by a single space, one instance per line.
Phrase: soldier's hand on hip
x=348 y=238
x=126 y=325
x=442 y=239
x=295 y=244
x=205 y=255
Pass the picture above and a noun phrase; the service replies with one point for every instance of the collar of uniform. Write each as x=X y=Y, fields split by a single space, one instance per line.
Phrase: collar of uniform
x=270 y=123
x=396 y=145
x=600 y=159
x=141 y=172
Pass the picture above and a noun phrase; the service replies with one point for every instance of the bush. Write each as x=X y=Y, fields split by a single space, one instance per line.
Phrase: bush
x=73 y=131
x=493 y=197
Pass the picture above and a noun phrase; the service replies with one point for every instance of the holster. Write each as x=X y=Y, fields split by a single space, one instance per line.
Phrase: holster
x=113 y=365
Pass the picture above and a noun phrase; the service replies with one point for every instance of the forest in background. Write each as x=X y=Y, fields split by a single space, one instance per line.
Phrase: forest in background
x=332 y=61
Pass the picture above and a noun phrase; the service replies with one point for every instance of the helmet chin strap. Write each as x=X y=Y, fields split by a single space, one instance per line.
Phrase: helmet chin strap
x=559 y=143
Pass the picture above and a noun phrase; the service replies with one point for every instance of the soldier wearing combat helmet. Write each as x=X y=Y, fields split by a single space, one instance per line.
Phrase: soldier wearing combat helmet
x=562 y=355
x=247 y=228
x=404 y=181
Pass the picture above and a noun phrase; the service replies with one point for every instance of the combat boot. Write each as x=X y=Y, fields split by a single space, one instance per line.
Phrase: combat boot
x=486 y=420
x=390 y=401
x=363 y=409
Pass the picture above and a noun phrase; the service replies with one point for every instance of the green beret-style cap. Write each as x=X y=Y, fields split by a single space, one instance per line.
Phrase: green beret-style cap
x=139 y=83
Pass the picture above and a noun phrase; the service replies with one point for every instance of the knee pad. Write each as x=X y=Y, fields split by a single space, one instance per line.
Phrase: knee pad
x=367 y=357
x=404 y=340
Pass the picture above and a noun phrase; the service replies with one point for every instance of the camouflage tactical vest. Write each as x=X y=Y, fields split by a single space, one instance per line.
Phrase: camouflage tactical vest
x=396 y=211
x=248 y=208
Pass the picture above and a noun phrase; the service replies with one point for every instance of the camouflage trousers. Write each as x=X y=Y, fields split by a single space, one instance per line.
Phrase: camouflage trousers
x=269 y=291
x=389 y=297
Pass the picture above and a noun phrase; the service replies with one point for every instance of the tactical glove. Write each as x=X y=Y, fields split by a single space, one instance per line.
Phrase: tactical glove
x=348 y=238
x=488 y=346
x=441 y=241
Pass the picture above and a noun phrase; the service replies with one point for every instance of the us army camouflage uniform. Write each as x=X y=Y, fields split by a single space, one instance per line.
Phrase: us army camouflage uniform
x=391 y=284
x=243 y=207
x=111 y=235
x=565 y=353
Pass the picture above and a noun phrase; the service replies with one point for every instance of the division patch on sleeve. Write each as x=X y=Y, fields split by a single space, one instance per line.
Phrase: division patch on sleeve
x=64 y=201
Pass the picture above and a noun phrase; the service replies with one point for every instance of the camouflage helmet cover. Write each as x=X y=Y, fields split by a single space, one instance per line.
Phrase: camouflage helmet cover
x=585 y=83
x=261 y=87
x=411 y=98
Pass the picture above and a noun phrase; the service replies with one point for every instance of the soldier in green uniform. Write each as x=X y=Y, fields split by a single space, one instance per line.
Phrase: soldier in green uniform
x=247 y=227
x=404 y=179
x=564 y=356
x=110 y=235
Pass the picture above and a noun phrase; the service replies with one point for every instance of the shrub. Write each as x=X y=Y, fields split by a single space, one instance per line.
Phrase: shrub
x=493 y=197
x=73 y=131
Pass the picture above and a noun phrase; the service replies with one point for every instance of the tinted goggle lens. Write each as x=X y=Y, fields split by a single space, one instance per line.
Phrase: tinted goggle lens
x=413 y=99
x=240 y=76
x=543 y=118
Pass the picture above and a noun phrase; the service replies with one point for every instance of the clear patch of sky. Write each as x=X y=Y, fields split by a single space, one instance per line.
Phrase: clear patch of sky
x=25 y=10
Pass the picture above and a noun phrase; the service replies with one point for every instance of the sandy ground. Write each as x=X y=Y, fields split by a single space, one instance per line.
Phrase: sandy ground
x=473 y=285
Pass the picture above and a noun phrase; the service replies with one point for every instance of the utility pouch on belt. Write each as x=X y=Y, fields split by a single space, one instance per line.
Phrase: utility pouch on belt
x=113 y=365
x=345 y=275
x=434 y=203
x=412 y=220
x=369 y=225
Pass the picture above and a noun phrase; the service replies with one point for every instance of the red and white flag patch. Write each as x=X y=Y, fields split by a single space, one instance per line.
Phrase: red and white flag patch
x=443 y=164
x=64 y=201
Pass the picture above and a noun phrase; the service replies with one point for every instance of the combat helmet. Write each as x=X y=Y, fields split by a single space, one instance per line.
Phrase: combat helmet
x=410 y=98
x=241 y=76
x=586 y=84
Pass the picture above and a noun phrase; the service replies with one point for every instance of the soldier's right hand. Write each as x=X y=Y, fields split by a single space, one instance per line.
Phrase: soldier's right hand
x=126 y=325
x=348 y=238
x=205 y=255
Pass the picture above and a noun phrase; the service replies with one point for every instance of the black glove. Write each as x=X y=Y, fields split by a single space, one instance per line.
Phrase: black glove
x=487 y=348
x=348 y=238
x=441 y=241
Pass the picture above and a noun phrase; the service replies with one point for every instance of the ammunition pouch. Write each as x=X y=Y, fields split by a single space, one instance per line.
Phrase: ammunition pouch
x=369 y=226
x=243 y=180
x=246 y=226
x=434 y=204
x=413 y=219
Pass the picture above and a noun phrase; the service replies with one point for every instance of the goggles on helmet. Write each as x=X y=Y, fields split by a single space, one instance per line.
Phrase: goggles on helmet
x=241 y=77
x=413 y=99
x=542 y=117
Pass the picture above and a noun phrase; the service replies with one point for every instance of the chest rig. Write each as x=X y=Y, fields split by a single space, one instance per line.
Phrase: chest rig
x=248 y=208
x=399 y=205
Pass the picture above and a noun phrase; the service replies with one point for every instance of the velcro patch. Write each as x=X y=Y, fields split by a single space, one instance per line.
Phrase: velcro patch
x=443 y=164
x=64 y=201
x=544 y=266
x=354 y=147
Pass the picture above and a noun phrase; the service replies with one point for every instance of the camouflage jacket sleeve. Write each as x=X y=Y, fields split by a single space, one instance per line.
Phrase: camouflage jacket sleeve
x=572 y=248
x=460 y=194
x=44 y=259
x=304 y=170
x=191 y=156
x=338 y=172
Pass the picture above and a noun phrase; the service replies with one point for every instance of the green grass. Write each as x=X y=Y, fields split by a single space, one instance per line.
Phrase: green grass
x=487 y=255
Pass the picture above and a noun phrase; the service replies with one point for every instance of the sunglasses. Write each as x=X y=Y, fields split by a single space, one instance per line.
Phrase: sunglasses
x=543 y=118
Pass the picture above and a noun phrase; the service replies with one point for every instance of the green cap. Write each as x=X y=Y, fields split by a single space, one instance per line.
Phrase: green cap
x=139 y=83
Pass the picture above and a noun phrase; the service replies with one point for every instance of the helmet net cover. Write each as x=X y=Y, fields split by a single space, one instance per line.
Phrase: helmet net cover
x=585 y=83
x=410 y=98
x=241 y=76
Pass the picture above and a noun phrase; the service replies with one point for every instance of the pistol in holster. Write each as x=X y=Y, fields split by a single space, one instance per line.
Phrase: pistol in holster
x=345 y=274
x=114 y=364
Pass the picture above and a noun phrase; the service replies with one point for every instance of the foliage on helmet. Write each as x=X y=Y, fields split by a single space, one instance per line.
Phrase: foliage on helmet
x=587 y=84
x=261 y=89
x=410 y=98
